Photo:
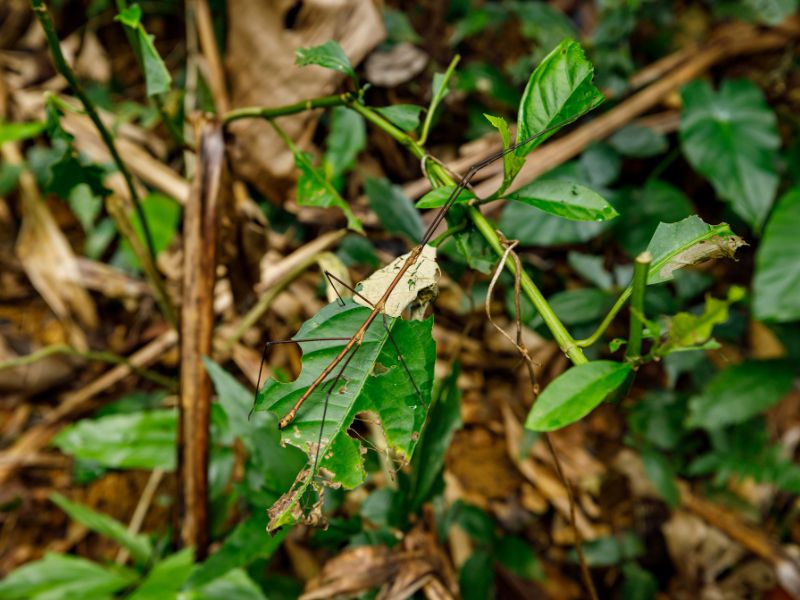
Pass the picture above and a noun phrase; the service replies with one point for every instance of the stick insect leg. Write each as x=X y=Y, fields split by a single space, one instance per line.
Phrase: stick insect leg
x=332 y=386
x=333 y=278
x=265 y=352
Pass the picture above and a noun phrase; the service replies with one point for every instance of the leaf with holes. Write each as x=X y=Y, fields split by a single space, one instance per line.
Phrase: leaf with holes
x=373 y=380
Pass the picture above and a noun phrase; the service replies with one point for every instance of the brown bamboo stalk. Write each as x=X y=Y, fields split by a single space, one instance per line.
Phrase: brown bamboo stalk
x=197 y=330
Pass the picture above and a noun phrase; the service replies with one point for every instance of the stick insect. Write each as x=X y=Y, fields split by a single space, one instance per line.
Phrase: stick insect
x=332 y=377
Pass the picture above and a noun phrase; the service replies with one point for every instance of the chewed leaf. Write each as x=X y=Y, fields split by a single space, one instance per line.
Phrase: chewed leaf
x=417 y=287
x=565 y=199
x=329 y=55
x=375 y=380
x=688 y=242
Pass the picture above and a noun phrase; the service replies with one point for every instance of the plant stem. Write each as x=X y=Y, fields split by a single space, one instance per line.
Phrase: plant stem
x=436 y=99
x=440 y=239
x=251 y=112
x=102 y=356
x=147 y=259
x=41 y=12
x=592 y=339
x=641 y=268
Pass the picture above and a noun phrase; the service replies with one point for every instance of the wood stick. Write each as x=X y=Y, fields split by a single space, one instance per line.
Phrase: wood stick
x=197 y=329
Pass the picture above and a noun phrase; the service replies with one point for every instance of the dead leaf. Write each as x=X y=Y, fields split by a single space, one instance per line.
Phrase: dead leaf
x=262 y=39
x=417 y=287
x=402 y=63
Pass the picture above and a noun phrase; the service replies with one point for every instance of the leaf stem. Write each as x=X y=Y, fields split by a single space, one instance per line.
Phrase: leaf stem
x=592 y=339
x=440 y=239
x=641 y=268
x=259 y=112
x=436 y=99
x=146 y=259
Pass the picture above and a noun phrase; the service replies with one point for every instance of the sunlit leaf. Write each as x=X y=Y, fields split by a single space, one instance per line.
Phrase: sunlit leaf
x=144 y=440
x=565 y=199
x=12 y=132
x=156 y=75
x=439 y=196
x=559 y=91
x=512 y=163
x=575 y=393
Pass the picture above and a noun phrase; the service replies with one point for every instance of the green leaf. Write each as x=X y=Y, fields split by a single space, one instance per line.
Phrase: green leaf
x=642 y=210
x=575 y=393
x=559 y=91
x=395 y=211
x=639 y=142
x=476 y=578
x=688 y=242
x=277 y=465
x=58 y=576
x=591 y=269
x=661 y=475
x=166 y=578
x=138 y=545
x=70 y=171
x=85 y=205
x=516 y=555
x=731 y=138
x=612 y=550
x=776 y=284
x=374 y=380
x=13 y=132
x=565 y=199
x=438 y=197
x=130 y=16
x=163 y=215
x=246 y=543
x=143 y=440
x=688 y=331
x=444 y=419
x=313 y=188
x=235 y=585
x=771 y=12
x=405 y=116
x=740 y=392
x=156 y=75
x=346 y=138
x=639 y=584
x=512 y=163
x=329 y=55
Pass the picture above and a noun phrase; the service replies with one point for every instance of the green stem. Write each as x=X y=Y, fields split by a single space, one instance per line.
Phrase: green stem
x=592 y=339
x=258 y=112
x=399 y=135
x=107 y=357
x=41 y=12
x=436 y=99
x=158 y=100
x=145 y=258
x=641 y=269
